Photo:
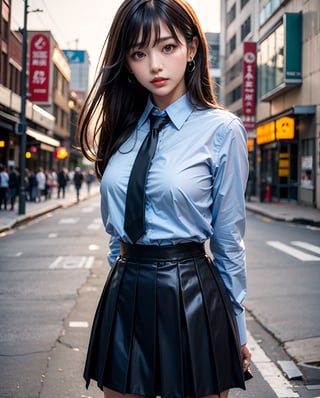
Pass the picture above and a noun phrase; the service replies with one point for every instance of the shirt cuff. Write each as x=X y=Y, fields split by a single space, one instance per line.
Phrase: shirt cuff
x=241 y=322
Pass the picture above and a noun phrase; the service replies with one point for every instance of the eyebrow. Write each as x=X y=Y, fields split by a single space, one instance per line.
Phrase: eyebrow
x=161 y=39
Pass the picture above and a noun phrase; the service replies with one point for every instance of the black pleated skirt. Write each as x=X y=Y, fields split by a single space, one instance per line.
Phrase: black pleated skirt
x=164 y=326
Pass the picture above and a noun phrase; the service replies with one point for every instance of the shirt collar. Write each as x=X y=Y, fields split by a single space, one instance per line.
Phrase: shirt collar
x=178 y=111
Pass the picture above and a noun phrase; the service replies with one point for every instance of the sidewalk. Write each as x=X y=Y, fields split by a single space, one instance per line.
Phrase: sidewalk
x=280 y=211
x=10 y=219
x=284 y=211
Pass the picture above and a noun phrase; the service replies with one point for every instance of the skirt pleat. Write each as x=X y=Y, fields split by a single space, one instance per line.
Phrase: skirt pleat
x=165 y=328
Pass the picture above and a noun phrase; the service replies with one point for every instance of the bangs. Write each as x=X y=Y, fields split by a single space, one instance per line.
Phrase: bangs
x=144 y=23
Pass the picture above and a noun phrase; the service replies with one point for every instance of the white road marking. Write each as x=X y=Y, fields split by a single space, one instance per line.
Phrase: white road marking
x=52 y=235
x=307 y=246
x=270 y=372
x=72 y=262
x=87 y=210
x=300 y=255
x=69 y=220
x=95 y=225
x=93 y=247
x=19 y=254
x=78 y=324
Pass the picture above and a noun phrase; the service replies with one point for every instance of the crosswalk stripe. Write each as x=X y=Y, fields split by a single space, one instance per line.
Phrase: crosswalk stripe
x=307 y=246
x=300 y=255
x=270 y=372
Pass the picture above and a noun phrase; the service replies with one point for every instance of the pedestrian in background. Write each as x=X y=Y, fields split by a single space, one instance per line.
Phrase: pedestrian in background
x=170 y=321
x=89 y=178
x=41 y=184
x=62 y=182
x=78 y=180
x=32 y=185
x=4 y=185
x=14 y=185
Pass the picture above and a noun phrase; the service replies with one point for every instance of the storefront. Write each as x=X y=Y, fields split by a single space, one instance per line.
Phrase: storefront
x=286 y=148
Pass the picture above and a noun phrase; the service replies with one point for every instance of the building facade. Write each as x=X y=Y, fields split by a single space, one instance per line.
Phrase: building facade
x=49 y=85
x=284 y=133
x=213 y=40
x=39 y=122
x=79 y=85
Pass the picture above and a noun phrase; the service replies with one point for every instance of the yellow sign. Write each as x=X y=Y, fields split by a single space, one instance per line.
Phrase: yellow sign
x=285 y=128
x=266 y=133
x=280 y=129
x=250 y=144
x=283 y=165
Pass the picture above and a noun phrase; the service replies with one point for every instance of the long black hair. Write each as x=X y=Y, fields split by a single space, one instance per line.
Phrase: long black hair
x=114 y=104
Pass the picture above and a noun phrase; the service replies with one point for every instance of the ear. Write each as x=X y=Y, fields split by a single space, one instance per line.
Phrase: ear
x=193 y=48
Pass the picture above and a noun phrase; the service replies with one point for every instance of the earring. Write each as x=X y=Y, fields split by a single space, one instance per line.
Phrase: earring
x=191 y=66
x=130 y=80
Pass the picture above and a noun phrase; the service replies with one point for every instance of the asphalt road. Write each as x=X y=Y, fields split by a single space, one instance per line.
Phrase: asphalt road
x=52 y=271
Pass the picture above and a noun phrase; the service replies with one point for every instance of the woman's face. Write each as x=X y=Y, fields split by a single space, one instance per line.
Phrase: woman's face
x=161 y=68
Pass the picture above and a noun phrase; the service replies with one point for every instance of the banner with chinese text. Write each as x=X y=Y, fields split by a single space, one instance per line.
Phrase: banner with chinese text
x=249 y=78
x=39 y=70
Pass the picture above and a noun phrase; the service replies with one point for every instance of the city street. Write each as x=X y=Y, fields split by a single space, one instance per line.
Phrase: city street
x=54 y=267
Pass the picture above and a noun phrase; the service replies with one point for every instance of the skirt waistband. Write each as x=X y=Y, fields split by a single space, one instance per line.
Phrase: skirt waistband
x=161 y=253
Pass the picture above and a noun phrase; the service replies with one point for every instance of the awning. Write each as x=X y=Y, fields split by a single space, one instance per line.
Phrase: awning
x=42 y=138
x=293 y=111
x=8 y=121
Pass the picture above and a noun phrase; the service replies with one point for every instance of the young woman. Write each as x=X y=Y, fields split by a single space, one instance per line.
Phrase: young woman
x=170 y=321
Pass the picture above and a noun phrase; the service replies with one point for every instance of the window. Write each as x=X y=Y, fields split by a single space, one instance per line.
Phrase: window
x=269 y=8
x=243 y=3
x=234 y=95
x=4 y=68
x=214 y=54
x=271 y=62
x=231 y=15
x=246 y=28
x=234 y=72
x=232 y=44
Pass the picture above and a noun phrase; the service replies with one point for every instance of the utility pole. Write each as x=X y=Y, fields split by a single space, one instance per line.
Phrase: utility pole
x=22 y=125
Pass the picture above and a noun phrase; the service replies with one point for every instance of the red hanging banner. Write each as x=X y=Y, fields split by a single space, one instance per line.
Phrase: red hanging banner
x=249 y=78
x=39 y=70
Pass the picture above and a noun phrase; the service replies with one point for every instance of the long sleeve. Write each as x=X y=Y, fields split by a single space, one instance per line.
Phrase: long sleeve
x=228 y=215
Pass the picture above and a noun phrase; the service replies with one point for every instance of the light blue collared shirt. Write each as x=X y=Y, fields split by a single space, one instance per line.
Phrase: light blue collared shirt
x=194 y=192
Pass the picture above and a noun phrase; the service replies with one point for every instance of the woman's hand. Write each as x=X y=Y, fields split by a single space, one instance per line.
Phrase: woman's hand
x=245 y=356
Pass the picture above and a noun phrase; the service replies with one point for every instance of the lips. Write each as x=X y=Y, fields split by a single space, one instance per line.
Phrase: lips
x=159 y=81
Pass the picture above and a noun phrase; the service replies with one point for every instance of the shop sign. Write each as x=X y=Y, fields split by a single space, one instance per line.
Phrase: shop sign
x=293 y=47
x=266 y=133
x=285 y=128
x=75 y=56
x=39 y=70
x=279 y=129
x=249 y=78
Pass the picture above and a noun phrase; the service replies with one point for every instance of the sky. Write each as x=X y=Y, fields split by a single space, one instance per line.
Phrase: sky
x=83 y=24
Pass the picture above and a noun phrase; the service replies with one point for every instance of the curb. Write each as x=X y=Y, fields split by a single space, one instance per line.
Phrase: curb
x=24 y=218
x=38 y=213
x=301 y=221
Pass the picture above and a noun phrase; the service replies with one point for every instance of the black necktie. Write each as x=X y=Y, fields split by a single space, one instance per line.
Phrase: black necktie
x=134 y=222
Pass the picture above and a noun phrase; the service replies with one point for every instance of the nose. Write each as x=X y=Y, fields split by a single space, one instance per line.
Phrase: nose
x=155 y=63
